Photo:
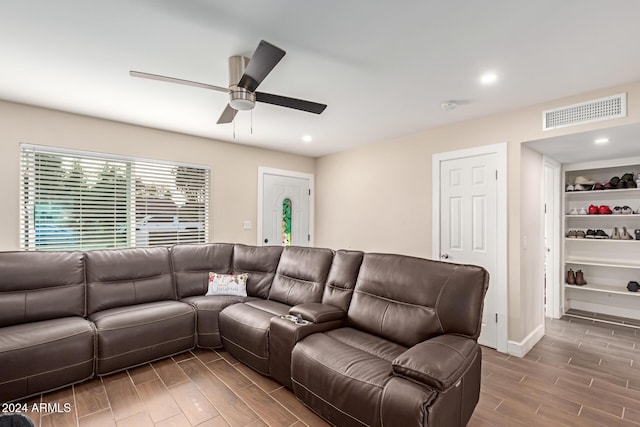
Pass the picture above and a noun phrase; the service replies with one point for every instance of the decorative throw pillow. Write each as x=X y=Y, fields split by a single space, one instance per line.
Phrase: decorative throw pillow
x=228 y=284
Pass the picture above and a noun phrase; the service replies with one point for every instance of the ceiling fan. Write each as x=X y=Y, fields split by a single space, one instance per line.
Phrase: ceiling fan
x=245 y=75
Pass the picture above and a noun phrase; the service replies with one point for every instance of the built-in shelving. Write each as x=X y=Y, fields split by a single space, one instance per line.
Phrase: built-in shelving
x=607 y=264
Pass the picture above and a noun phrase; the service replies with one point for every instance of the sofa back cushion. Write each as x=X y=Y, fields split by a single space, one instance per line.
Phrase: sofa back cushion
x=261 y=263
x=192 y=264
x=408 y=300
x=121 y=277
x=38 y=286
x=342 y=278
x=301 y=275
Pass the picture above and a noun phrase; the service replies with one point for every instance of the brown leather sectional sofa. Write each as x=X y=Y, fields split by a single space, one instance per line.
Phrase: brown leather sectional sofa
x=384 y=340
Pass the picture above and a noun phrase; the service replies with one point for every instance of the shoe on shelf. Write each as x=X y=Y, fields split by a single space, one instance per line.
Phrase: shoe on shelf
x=573 y=211
x=625 y=234
x=570 y=187
x=604 y=210
x=591 y=234
x=607 y=186
x=617 y=210
x=616 y=234
x=627 y=177
x=580 y=278
x=626 y=210
x=621 y=185
x=614 y=181
x=580 y=234
x=598 y=186
x=582 y=211
x=593 y=210
x=579 y=187
x=637 y=233
x=571 y=277
x=572 y=234
x=633 y=286
x=632 y=184
x=600 y=234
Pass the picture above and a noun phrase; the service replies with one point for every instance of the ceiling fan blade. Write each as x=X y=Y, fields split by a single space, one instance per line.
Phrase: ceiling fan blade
x=227 y=115
x=285 y=101
x=174 y=80
x=261 y=63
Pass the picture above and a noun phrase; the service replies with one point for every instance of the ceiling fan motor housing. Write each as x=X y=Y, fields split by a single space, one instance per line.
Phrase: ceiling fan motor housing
x=239 y=97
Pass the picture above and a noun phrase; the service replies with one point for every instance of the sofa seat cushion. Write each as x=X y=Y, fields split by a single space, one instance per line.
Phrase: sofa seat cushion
x=351 y=361
x=208 y=309
x=135 y=334
x=40 y=356
x=245 y=331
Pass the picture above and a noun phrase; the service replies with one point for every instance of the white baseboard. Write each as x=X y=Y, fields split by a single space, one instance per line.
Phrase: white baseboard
x=520 y=349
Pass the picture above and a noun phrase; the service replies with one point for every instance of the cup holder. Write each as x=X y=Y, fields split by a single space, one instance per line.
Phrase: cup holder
x=298 y=320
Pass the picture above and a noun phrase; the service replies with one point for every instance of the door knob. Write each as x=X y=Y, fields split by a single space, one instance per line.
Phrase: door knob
x=444 y=256
x=266 y=240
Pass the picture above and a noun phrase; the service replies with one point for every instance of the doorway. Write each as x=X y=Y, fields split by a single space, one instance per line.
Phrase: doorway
x=470 y=225
x=285 y=207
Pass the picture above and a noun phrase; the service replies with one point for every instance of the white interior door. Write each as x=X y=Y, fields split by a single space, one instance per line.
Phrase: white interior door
x=285 y=210
x=468 y=224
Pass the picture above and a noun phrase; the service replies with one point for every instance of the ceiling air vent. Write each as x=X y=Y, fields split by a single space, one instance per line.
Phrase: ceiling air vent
x=610 y=107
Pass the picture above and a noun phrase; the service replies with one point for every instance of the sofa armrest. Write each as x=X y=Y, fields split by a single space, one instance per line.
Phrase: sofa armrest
x=317 y=313
x=439 y=362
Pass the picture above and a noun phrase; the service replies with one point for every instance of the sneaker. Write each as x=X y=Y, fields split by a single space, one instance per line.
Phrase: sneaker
x=632 y=184
x=593 y=210
x=626 y=210
x=573 y=211
x=598 y=186
x=572 y=234
x=591 y=234
x=570 y=187
x=582 y=211
x=614 y=181
x=600 y=234
x=617 y=210
x=627 y=177
x=580 y=234
x=608 y=186
x=578 y=187
x=604 y=210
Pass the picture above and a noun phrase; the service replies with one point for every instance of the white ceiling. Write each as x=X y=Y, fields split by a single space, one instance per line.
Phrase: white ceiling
x=624 y=142
x=382 y=67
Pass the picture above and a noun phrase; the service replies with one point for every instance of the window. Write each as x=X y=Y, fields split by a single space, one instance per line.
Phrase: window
x=78 y=200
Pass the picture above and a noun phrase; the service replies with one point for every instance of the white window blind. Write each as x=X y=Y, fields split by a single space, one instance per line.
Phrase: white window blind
x=78 y=200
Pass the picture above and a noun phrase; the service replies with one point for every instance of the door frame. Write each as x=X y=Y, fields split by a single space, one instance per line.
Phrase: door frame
x=552 y=201
x=500 y=281
x=262 y=171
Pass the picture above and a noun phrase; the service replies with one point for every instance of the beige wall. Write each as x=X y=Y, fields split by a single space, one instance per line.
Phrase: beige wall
x=378 y=197
x=234 y=168
x=531 y=296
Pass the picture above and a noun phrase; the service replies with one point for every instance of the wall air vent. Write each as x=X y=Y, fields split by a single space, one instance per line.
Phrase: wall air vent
x=610 y=107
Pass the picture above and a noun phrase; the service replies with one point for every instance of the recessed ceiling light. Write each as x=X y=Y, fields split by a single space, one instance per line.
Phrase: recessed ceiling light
x=307 y=138
x=601 y=140
x=488 y=78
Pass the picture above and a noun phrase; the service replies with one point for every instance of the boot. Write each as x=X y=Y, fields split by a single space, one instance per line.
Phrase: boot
x=580 y=278
x=626 y=235
x=571 y=277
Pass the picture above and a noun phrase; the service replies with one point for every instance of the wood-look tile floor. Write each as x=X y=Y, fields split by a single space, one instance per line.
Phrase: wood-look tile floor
x=582 y=373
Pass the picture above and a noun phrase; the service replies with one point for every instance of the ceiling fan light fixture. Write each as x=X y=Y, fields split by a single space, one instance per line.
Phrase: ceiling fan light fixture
x=242 y=100
x=241 y=104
